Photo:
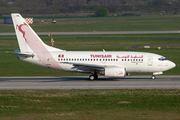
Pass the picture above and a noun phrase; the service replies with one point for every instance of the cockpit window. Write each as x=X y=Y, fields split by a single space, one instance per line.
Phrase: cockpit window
x=162 y=59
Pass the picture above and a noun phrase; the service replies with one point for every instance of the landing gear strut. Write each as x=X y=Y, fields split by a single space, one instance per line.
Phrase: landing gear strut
x=153 y=77
x=93 y=76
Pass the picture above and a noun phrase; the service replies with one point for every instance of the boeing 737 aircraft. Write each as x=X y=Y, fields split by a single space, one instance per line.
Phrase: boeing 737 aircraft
x=109 y=64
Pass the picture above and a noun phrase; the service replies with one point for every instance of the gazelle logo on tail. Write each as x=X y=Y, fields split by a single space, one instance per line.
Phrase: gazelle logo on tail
x=20 y=29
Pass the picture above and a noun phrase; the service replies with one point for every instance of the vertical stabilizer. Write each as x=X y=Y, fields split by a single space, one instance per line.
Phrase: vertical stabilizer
x=19 y=22
x=28 y=40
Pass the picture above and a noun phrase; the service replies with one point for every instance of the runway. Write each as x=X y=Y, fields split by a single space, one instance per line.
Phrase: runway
x=100 y=32
x=82 y=82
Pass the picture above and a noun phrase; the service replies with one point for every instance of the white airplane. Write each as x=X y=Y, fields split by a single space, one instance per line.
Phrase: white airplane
x=109 y=64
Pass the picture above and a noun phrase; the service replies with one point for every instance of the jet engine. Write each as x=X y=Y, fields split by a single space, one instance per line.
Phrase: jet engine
x=115 y=72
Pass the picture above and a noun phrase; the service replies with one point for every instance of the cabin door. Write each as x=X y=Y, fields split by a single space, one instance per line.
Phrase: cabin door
x=150 y=60
x=48 y=60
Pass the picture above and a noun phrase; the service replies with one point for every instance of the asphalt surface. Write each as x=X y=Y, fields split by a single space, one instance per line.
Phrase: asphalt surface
x=82 y=82
x=100 y=32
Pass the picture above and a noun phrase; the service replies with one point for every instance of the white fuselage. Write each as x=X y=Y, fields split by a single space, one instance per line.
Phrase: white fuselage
x=132 y=61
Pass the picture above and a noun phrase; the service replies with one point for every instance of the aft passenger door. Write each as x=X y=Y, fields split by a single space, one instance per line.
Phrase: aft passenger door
x=48 y=60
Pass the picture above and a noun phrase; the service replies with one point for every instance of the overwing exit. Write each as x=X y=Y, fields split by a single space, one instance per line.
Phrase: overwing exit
x=109 y=64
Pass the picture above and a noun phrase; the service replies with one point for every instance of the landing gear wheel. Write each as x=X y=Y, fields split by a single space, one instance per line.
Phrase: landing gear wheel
x=91 y=77
x=153 y=77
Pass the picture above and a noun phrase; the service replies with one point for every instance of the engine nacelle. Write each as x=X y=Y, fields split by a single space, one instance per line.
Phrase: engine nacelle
x=115 y=72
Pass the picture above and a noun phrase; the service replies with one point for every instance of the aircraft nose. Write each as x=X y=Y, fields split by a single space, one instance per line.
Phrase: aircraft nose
x=172 y=65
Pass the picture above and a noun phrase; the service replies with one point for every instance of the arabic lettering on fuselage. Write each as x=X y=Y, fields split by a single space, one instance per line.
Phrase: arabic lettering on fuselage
x=123 y=56
x=136 y=56
x=101 y=56
x=130 y=56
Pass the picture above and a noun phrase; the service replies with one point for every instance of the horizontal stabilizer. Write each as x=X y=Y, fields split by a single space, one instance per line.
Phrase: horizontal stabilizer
x=17 y=52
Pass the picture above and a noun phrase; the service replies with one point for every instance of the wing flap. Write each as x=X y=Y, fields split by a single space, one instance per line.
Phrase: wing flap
x=85 y=67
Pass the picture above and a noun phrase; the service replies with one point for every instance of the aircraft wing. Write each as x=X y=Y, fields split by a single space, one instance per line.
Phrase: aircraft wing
x=87 y=67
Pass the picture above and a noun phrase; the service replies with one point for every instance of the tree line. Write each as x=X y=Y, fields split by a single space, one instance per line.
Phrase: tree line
x=93 y=2
x=73 y=6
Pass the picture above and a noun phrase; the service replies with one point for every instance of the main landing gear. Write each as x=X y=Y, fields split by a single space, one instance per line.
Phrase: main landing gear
x=93 y=76
x=153 y=77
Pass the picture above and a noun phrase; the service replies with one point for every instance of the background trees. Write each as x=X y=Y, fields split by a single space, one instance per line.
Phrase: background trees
x=101 y=12
x=73 y=6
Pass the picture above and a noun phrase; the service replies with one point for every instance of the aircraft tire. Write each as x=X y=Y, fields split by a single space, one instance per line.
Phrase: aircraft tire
x=153 y=77
x=91 y=77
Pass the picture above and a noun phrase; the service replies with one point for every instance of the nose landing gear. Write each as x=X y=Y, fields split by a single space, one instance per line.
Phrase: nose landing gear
x=153 y=77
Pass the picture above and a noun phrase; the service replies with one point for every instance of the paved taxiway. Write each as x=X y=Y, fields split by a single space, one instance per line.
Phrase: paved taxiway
x=82 y=82
x=100 y=32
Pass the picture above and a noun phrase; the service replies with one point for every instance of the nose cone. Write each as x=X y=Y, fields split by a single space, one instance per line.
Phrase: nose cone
x=171 y=65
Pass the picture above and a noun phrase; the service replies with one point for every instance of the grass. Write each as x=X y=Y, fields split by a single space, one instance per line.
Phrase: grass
x=134 y=23
x=89 y=43
x=89 y=104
